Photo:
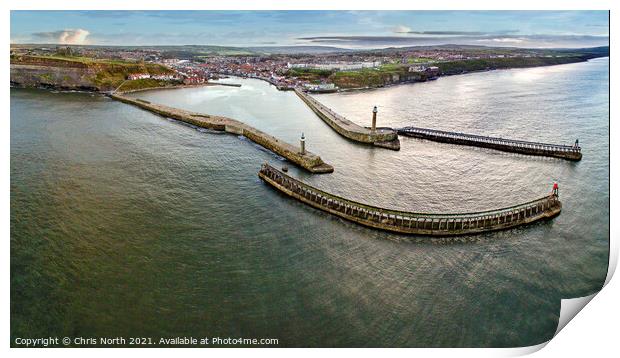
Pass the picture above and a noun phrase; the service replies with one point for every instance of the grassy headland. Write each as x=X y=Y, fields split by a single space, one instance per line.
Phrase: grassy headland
x=78 y=72
x=145 y=83
x=456 y=67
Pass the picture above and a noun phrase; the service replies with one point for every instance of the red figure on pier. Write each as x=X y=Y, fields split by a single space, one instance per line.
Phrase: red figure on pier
x=556 y=191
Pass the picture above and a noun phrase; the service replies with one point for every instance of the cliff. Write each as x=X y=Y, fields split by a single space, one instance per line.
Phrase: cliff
x=457 y=67
x=76 y=73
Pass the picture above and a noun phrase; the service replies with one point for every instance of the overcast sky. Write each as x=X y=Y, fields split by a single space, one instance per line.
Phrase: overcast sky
x=350 y=29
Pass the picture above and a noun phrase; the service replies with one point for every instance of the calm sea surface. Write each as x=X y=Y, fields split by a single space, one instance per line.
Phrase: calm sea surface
x=124 y=223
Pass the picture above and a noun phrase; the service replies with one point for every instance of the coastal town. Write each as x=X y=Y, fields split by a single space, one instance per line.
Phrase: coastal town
x=315 y=72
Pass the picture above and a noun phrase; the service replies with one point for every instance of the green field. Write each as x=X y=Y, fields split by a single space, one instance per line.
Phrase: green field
x=455 y=67
x=309 y=74
x=369 y=77
x=145 y=83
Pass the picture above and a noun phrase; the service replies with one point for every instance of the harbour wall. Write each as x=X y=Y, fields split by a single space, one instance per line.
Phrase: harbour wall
x=410 y=222
x=382 y=137
x=307 y=160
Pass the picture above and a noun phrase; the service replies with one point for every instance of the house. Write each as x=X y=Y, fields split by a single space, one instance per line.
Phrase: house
x=138 y=76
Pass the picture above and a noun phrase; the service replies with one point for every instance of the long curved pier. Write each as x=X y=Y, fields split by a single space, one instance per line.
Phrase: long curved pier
x=380 y=137
x=297 y=155
x=409 y=222
x=507 y=145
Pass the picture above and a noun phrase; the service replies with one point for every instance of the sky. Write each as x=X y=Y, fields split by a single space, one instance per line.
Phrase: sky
x=346 y=29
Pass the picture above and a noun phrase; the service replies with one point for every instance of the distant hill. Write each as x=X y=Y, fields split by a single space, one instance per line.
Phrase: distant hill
x=297 y=49
x=192 y=51
x=598 y=51
x=601 y=51
x=253 y=50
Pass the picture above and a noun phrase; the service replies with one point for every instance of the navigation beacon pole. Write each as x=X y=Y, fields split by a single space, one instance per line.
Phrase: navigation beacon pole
x=374 y=119
x=302 y=144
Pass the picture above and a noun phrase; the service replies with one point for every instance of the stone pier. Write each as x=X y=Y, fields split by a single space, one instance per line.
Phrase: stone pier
x=380 y=137
x=410 y=222
x=304 y=159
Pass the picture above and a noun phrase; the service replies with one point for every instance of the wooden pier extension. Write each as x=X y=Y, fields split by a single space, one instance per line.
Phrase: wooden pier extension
x=409 y=222
x=304 y=159
x=507 y=145
x=381 y=137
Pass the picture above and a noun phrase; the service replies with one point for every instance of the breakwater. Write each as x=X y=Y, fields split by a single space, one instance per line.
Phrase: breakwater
x=409 y=222
x=381 y=137
x=507 y=145
x=225 y=84
x=303 y=158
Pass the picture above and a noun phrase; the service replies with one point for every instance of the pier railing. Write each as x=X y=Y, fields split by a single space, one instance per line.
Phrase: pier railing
x=519 y=146
x=411 y=222
x=514 y=142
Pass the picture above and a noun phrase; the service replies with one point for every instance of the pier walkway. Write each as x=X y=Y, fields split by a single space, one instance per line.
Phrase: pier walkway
x=306 y=160
x=409 y=222
x=381 y=137
x=507 y=145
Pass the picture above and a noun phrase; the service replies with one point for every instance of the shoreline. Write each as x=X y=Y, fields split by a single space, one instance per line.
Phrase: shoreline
x=163 y=88
x=279 y=88
x=461 y=73
x=93 y=90
x=206 y=84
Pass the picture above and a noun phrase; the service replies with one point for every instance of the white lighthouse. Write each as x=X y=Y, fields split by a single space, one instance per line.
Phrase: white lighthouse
x=374 y=119
x=302 y=144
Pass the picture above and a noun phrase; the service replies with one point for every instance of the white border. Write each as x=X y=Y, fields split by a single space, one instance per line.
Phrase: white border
x=593 y=330
x=313 y=5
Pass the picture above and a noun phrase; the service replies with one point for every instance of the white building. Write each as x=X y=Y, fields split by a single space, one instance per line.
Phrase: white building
x=339 y=66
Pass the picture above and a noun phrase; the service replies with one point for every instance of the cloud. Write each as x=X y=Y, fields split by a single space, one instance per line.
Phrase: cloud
x=461 y=33
x=446 y=32
x=65 y=37
x=531 y=41
x=401 y=29
x=506 y=39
